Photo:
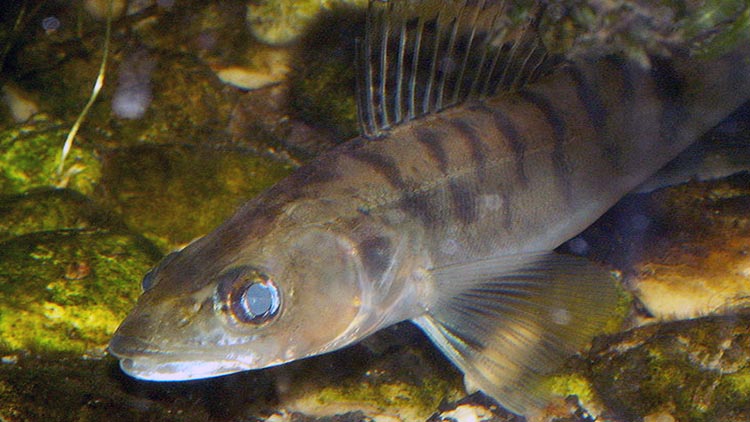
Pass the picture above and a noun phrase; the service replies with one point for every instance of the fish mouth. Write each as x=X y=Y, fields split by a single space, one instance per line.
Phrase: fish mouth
x=142 y=360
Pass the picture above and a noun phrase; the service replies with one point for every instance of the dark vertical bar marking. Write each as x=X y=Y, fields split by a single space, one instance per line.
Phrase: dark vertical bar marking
x=382 y=164
x=505 y=126
x=507 y=210
x=310 y=178
x=423 y=207
x=433 y=141
x=597 y=114
x=555 y=121
x=670 y=89
x=470 y=135
x=627 y=78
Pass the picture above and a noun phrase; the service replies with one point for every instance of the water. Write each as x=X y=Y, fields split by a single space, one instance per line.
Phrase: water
x=136 y=187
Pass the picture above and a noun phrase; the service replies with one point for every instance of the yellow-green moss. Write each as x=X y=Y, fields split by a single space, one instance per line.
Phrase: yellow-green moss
x=739 y=381
x=718 y=26
x=175 y=194
x=66 y=291
x=410 y=401
x=624 y=305
x=30 y=154
x=279 y=22
x=571 y=384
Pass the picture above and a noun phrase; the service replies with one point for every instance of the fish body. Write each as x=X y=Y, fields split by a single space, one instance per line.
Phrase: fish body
x=449 y=218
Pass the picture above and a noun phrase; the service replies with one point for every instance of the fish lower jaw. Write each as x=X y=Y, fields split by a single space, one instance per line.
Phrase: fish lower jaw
x=171 y=369
x=141 y=360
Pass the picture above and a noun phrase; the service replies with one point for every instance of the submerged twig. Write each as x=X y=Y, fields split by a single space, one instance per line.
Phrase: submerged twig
x=94 y=94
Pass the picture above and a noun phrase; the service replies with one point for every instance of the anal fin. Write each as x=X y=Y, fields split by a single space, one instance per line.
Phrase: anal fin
x=508 y=322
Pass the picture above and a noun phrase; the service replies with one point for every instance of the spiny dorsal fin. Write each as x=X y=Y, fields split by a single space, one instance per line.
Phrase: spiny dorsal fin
x=421 y=56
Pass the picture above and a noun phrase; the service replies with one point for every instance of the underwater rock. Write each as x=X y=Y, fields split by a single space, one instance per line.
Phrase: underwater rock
x=44 y=210
x=69 y=272
x=66 y=290
x=704 y=266
x=30 y=156
x=149 y=94
x=322 y=81
x=475 y=408
x=395 y=375
x=19 y=103
x=173 y=194
x=695 y=371
x=281 y=22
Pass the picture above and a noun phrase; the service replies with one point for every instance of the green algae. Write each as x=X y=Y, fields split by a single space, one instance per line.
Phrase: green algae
x=573 y=384
x=173 y=194
x=418 y=398
x=623 y=307
x=718 y=26
x=408 y=380
x=642 y=29
x=322 y=82
x=30 y=153
x=46 y=209
x=68 y=290
x=698 y=369
x=281 y=22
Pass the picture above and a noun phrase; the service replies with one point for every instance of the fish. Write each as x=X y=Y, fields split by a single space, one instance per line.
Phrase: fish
x=480 y=153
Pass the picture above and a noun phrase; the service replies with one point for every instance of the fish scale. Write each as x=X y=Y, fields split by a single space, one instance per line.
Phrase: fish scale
x=446 y=211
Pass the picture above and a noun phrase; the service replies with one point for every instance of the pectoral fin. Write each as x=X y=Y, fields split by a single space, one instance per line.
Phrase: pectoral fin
x=507 y=322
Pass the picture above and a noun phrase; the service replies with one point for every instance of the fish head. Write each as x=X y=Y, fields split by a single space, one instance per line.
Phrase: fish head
x=204 y=314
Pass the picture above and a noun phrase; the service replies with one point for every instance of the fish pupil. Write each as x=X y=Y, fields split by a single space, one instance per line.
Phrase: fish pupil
x=258 y=303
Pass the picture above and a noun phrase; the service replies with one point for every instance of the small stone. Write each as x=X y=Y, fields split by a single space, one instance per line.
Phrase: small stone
x=659 y=417
x=9 y=359
x=466 y=413
x=244 y=78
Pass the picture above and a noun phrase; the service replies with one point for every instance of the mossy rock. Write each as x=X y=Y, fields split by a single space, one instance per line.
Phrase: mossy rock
x=280 y=22
x=67 y=290
x=397 y=372
x=173 y=194
x=47 y=209
x=322 y=81
x=30 y=156
x=696 y=370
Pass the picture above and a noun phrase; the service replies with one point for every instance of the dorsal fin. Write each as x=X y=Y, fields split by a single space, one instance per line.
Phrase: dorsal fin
x=421 y=56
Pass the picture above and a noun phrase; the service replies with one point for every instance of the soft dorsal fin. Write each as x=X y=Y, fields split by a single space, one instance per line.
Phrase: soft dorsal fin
x=421 y=56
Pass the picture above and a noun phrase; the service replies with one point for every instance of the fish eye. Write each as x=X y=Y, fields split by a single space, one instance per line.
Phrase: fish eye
x=253 y=297
x=258 y=302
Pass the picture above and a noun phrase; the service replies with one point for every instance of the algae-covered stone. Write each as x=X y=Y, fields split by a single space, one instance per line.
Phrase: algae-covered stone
x=322 y=84
x=280 y=22
x=50 y=209
x=642 y=29
x=173 y=194
x=696 y=370
x=30 y=156
x=397 y=374
x=68 y=290
x=702 y=266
